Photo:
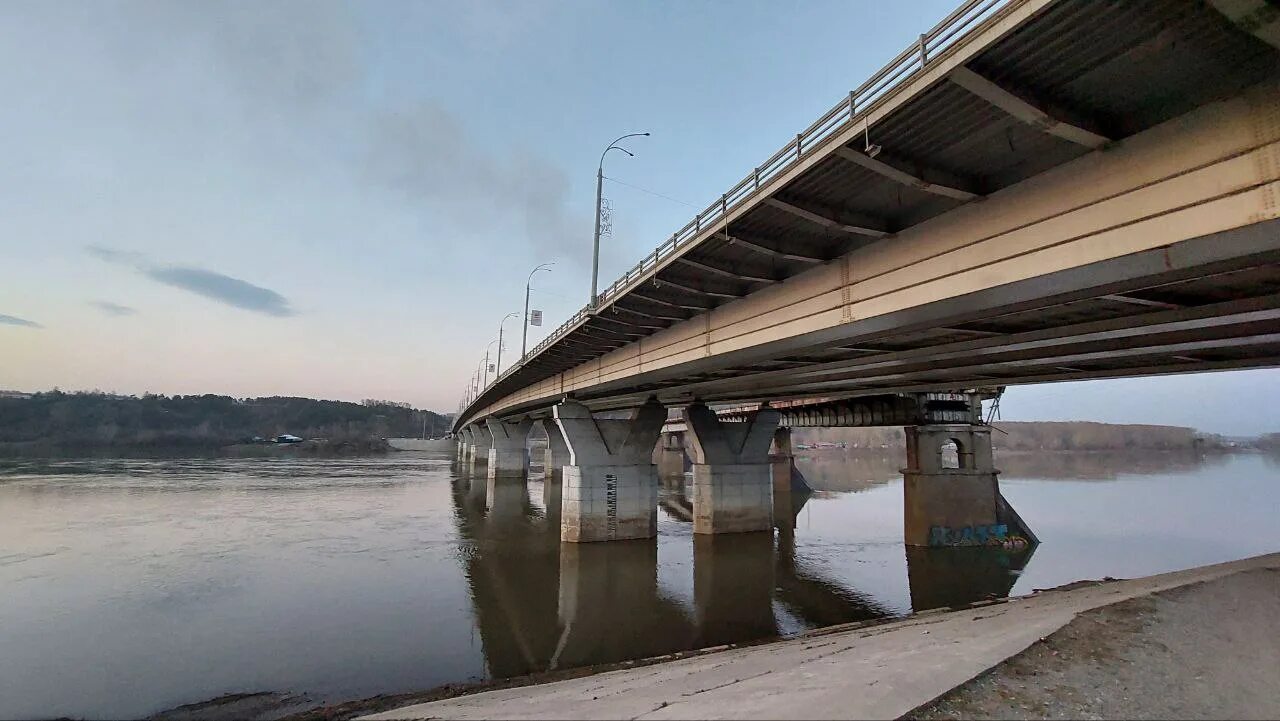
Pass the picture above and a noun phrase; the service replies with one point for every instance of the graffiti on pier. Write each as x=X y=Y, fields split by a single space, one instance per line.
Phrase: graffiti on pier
x=993 y=535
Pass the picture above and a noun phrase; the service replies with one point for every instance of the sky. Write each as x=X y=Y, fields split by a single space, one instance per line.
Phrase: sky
x=343 y=200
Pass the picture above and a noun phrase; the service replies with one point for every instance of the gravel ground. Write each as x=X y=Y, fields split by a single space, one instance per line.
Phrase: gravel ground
x=1209 y=650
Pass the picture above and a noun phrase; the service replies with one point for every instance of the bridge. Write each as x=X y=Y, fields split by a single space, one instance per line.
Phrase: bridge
x=1035 y=191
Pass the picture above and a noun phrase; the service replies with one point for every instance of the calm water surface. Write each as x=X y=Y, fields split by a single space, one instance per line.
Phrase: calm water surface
x=129 y=586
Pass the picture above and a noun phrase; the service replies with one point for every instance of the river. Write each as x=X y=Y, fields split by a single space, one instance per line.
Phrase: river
x=128 y=586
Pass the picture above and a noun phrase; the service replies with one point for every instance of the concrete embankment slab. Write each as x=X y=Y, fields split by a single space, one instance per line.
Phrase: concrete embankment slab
x=880 y=671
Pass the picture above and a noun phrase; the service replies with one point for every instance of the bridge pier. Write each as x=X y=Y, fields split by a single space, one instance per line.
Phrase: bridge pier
x=610 y=489
x=953 y=499
x=508 y=455
x=789 y=488
x=732 y=474
x=478 y=454
x=555 y=458
x=556 y=455
x=669 y=456
x=462 y=446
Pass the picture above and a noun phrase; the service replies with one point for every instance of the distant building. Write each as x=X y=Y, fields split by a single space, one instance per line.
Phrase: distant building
x=286 y=438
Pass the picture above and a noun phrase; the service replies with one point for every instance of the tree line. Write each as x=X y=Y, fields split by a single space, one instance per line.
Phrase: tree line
x=89 y=419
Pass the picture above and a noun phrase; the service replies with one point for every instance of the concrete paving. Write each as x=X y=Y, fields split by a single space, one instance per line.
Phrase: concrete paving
x=881 y=671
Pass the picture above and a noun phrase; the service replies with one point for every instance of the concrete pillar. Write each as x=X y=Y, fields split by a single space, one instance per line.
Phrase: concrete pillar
x=556 y=455
x=669 y=456
x=508 y=452
x=790 y=492
x=952 y=497
x=555 y=458
x=610 y=489
x=732 y=476
x=478 y=457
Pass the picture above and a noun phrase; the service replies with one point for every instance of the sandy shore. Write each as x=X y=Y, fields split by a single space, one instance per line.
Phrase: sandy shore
x=1207 y=650
x=1192 y=644
x=1222 y=615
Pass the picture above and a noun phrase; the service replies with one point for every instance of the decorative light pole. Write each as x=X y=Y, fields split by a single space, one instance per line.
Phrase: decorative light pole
x=595 y=258
x=524 y=331
x=486 y=365
x=504 y=322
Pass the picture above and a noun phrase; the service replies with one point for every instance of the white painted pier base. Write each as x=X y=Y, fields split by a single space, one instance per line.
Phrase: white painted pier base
x=556 y=455
x=732 y=474
x=478 y=457
x=610 y=486
x=508 y=452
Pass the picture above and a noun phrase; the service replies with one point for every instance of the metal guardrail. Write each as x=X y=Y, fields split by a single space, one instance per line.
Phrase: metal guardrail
x=849 y=111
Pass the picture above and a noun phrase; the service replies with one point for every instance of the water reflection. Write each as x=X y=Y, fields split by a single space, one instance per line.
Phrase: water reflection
x=956 y=576
x=351 y=577
x=733 y=577
x=842 y=471
x=541 y=604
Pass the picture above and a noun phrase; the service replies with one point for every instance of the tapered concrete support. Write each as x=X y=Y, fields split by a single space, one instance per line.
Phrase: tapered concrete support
x=478 y=456
x=610 y=489
x=508 y=449
x=952 y=496
x=556 y=455
x=732 y=475
x=669 y=456
x=790 y=491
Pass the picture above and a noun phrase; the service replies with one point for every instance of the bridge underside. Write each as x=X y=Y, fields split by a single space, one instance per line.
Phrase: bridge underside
x=1079 y=191
x=1130 y=316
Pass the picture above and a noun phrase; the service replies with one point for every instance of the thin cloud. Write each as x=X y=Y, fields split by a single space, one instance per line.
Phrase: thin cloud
x=111 y=255
x=113 y=309
x=207 y=283
x=223 y=288
x=20 y=322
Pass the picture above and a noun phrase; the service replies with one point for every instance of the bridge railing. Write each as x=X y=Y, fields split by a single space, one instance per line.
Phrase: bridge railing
x=850 y=110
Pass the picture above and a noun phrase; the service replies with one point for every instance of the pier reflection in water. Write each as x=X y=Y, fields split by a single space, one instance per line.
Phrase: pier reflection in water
x=542 y=604
x=345 y=578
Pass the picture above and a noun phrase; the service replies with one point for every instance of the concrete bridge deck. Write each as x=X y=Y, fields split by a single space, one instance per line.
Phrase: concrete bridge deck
x=1039 y=191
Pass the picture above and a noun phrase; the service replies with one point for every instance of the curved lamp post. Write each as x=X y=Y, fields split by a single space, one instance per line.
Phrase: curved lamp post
x=498 y=370
x=595 y=258
x=485 y=363
x=524 y=332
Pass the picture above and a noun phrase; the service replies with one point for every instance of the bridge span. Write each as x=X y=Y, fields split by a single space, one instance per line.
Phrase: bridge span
x=1036 y=191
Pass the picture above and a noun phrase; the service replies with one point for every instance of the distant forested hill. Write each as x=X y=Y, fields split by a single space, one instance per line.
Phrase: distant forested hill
x=99 y=419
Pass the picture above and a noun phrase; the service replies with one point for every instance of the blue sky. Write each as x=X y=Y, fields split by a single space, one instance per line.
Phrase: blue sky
x=343 y=200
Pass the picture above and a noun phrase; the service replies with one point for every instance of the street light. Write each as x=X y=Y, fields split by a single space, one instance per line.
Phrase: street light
x=595 y=258
x=524 y=332
x=504 y=322
x=485 y=363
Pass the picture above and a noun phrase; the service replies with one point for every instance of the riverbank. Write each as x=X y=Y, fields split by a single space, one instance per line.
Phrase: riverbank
x=925 y=664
